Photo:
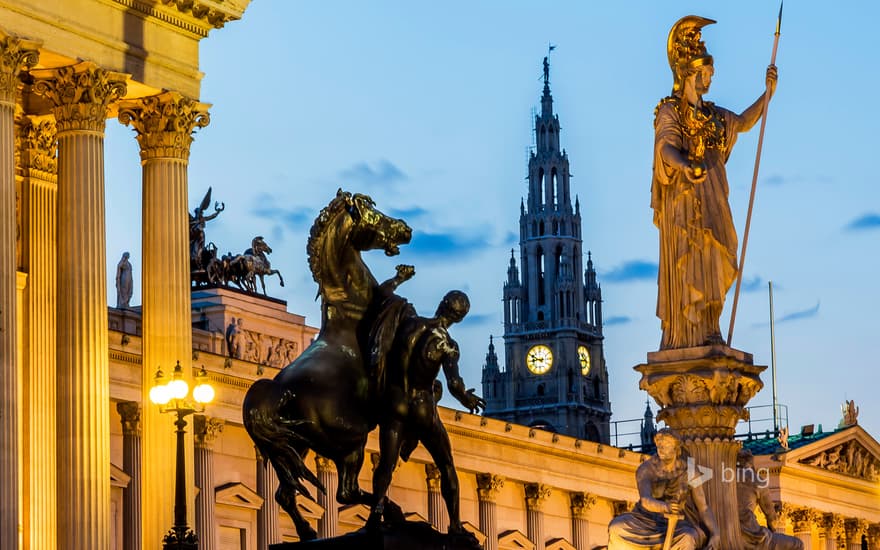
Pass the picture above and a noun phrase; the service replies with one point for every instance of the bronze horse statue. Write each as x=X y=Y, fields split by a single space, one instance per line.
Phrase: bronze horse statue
x=244 y=269
x=324 y=400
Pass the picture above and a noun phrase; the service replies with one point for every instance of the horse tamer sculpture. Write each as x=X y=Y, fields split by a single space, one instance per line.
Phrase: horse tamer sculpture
x=329 y=398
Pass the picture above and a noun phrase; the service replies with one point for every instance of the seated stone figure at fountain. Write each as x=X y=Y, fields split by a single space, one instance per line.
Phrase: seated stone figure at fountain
x=671 y=512
x=751 y=493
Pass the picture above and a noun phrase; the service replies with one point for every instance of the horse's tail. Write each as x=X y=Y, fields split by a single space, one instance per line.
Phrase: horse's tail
x=274 y=436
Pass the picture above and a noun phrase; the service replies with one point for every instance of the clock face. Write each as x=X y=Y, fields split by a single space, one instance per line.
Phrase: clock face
x=584 y=359
x=539 y=359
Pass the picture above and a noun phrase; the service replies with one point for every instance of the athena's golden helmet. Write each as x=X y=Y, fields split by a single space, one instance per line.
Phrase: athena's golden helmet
x=685 y=49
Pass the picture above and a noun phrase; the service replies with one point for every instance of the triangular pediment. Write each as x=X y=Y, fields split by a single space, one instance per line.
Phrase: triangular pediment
x=851 y=452
x=559 y=544
x=239 y=495
x=354 y=513
x=118 y=478
x=415 y=516
x=514 y=540
x=308 y=507
x=475 y=531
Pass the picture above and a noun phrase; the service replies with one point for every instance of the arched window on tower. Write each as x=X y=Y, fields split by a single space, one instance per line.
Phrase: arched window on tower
x=541 y=188
x=554 y=194
x=540 y=258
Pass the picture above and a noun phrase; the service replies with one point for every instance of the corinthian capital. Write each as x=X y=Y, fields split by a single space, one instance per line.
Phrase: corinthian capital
x=130 y=413
x=37 y=145
x=536 y=495
x=488 y=486
x=581 y=504
x=15 y=54
x=206 y=429
x=80 y=94
x=164 y=123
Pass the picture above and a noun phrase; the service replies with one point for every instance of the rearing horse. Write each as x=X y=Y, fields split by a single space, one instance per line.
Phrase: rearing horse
x=323 y=401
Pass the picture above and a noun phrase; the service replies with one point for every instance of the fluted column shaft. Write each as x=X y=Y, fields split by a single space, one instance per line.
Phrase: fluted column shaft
x=15 y=54
x=80 y=95
x=328 y=525
x=205 y=432
x=488 y=486
x=37 y=147
x=437 y=513
x=164 y=124
x=267 y=516
x=536 y=496
x=130 y=412
x=580 y=525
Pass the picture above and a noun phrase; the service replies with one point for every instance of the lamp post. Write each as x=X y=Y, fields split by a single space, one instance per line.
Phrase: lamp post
x=172 y=397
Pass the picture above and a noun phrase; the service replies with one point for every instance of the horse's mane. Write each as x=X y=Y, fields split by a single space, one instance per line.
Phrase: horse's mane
x=319 y=232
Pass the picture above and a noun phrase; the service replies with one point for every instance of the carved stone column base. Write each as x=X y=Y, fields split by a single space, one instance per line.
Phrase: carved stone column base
x=703 y=393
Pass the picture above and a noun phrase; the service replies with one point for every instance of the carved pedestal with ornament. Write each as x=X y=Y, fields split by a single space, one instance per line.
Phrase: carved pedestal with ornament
x=703 y=392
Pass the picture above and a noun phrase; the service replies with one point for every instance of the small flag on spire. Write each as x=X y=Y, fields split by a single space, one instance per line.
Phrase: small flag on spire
x=550 y=47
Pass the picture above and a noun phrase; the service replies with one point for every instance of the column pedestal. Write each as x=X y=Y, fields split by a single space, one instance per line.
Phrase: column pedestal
x=703 y=392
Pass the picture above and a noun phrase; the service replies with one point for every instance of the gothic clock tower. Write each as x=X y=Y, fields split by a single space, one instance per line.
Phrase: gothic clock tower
x=555 y=376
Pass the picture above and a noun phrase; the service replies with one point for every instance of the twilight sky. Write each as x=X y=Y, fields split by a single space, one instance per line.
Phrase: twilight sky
x=427 y=108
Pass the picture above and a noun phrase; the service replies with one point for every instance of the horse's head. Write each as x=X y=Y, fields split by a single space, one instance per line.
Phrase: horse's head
x=373 y=229
x=258 y=245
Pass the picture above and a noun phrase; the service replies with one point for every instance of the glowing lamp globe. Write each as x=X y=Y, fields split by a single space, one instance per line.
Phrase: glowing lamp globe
x=160 y=395
x=203 y=393
x=178 y=388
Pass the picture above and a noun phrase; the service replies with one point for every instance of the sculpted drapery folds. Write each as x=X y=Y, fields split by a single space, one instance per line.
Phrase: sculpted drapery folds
x=698 y=243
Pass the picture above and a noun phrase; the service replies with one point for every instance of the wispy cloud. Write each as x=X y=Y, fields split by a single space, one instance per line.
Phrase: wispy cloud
x=754 y=284
x=865 y=222
x=633 y=270
x=445 y=244
x=476 y=319
x=617 y=320
x=801 y=314
x=381 y=173
x=267 y=206
x=408 y=214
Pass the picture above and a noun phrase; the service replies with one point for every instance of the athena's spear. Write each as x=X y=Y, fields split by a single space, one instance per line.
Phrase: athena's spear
x=742 y=255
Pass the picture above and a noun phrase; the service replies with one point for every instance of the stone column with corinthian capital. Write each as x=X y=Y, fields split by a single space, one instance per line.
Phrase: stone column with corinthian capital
x=488 y=486
x=164 y=125
x=856 y=528
x=536 y=496
x=834 y=532
x=267 y=516
x=38 y=169
x=580 y=524
x=205 y=431
x=80 y=95
x=437 y=513
x=328 y=525
x=15 y=54
x=130 y=413
x=802 y=521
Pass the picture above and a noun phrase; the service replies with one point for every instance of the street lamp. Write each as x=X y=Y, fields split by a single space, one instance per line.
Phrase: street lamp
x=171 y=396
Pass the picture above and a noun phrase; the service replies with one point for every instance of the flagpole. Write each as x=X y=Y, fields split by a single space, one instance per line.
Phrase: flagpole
x=742 y=255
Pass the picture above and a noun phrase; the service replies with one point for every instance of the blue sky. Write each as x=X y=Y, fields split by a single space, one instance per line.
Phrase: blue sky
x=427 y=107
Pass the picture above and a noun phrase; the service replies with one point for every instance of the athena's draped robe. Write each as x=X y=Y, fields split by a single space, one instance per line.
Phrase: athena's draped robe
x=698 y=243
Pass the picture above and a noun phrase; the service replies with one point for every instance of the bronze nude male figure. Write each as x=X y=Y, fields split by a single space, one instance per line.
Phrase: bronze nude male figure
x=693 y=139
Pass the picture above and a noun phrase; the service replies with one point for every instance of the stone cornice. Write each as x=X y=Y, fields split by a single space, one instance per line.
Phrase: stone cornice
x=195 y=16
x=164 y=123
